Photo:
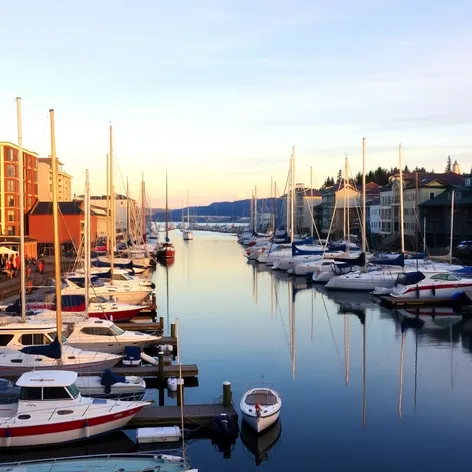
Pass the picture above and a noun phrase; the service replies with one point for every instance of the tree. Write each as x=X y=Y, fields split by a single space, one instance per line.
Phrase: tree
x=448 y=164
x=339 y=178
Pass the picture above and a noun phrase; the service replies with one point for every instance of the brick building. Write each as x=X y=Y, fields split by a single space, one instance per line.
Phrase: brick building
x=10 y=189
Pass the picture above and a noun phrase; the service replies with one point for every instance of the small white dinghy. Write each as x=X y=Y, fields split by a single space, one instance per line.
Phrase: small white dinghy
x=260 y=408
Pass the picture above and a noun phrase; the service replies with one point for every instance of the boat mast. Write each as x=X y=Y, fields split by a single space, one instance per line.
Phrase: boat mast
x=188 y=213
x=400 y=158
x=167 y=210
x=107 y=227
x=127 y=211
x=292 y=197
x=22 y=210
x=112 y=207
x=143 y=210
x=87 y=240
x=57 y=246
x=348 y=201
x=312 y=223
x=452 y=226
x=364 y=214
x=255 y=209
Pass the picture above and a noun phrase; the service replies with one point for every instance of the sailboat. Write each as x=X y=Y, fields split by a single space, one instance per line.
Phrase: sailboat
x=187 y=233
x=166 y=250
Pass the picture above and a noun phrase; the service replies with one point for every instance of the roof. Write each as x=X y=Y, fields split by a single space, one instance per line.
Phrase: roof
x=65 y=208
x=311 y=192
x=5 y=240
x=48 y=161
x=15 y=146
x=47 y=378
x=448 y=178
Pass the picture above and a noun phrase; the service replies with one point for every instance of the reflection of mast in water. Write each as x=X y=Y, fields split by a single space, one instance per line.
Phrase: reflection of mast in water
x=451 y=356
x=313 y=292
x=364 y=389
x=254 y=282
x=347 y=335
x=291 y=324
x=272 y=296
x=400 y=395
x=167 y=299
x=416 y=370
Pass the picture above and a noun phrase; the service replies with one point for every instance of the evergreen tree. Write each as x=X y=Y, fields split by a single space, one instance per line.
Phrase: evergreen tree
x=339 y=178
x=448 y=164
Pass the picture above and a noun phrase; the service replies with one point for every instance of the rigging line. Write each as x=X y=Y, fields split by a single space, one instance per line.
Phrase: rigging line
x=281 y=318
x=332 y=332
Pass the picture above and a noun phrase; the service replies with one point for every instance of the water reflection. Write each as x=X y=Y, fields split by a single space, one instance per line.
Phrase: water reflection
x=259 y=445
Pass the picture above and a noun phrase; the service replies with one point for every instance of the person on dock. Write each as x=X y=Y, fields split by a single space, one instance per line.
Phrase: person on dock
x=41 y=266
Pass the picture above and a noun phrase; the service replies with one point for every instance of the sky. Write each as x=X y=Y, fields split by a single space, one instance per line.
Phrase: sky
x=218 y=92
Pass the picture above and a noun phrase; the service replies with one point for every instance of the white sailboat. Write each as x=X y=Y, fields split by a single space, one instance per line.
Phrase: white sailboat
x=187 y=233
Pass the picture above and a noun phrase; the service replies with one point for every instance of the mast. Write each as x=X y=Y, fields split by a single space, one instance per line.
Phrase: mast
x=127 y=211
x=57 y=246
x=345 y=200
x=188 y=213
x=108 y=206
x=143 y=210
x=255 y=209
x=400 y=158
x=424 y=234
x=22 y=210
x=452 y=226
x=348 y=226
x=167 y=210
x=251 y=211
x=312 y=223
x=364 y=214
x=113 y=208
x=292 y=197
x=275 y=207
x=288 y=205
x=87 y=240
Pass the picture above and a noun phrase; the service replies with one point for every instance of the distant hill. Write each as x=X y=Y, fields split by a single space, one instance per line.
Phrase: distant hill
x=227 y=211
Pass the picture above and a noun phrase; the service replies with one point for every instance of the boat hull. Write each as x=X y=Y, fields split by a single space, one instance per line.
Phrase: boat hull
x=260 y=423
x=58 y=433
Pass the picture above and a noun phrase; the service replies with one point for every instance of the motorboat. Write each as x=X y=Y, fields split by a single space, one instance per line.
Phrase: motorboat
x=430 y=284
x=51 y=410
x=103 y=462
x=187 y=234
x=83 y=333
x=260 y=407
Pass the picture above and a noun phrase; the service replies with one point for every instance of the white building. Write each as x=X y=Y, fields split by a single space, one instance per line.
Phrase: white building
x=374 y=219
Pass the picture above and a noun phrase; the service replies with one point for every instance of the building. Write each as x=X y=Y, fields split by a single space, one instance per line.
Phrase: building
x=436 y=212
x=373 y=217
x=10 y=189
x=334 y=200
x=64 y=181
x=71 y=226
x=418 y=187
x=126 y=211
x=13 y=243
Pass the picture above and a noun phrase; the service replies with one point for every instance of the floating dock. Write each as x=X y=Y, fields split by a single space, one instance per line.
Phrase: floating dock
x=190 y=370
x=195 y=415
x=394 y=302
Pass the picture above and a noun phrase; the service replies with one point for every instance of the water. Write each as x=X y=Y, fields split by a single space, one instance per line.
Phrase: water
x=237 y=324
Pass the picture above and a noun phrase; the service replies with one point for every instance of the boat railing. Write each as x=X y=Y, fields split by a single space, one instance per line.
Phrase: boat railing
x=263 y=385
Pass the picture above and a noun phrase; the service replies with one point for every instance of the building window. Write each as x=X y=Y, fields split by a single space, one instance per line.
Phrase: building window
x=9 y=154
x=11 y=201
x=30 y=202
x=431 y=195
x=11 y=215
x=11 y=230
x=11 y=187
x=11 y=170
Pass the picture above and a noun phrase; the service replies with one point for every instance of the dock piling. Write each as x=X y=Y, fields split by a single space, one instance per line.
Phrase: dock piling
x=172 y=330
x=161 y=324
x=227 y=394
x=161 y=365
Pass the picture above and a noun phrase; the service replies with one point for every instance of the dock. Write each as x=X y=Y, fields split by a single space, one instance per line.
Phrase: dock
x=195 y=415
x=394 y=302
x=190 y=370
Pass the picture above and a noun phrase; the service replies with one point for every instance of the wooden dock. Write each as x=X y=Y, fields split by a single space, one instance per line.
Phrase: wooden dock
x=394 y=302
x=194 y=415
x=190 y=370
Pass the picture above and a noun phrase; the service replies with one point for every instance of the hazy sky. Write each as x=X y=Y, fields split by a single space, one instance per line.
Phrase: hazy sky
x=217 y=92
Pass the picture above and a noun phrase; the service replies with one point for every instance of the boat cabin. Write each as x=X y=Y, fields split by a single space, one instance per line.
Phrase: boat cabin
x=48 y=385
x=98 y=327
x=24 y=334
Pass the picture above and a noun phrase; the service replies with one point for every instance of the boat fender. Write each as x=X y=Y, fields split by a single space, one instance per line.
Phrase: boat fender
x=86 y=428
x=417 y=292
x=153 y=285
x=224 y=429
x=433 y=290
x=149 y=359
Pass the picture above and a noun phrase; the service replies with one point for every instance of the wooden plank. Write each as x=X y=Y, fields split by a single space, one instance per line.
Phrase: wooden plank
x=190 y=370
x=148 y=326
x=154 y=415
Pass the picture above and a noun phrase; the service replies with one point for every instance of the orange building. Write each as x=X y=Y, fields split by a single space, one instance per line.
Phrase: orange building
x=10 y=186
x=71 y=226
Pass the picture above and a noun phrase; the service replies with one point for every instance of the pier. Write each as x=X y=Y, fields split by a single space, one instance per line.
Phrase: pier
x=190 y=370
x=394 y=302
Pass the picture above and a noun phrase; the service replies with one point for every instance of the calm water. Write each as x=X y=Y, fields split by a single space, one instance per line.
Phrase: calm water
x=407 y=410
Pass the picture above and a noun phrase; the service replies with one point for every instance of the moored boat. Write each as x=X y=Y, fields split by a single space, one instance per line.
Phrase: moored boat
x=260 y=407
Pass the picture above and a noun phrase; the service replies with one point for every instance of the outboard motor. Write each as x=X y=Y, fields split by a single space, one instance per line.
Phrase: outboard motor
x=224 y=432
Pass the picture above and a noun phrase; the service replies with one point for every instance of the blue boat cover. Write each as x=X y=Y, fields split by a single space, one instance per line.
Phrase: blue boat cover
x=109 y=378
x=132 y=353
x=410 y=278
x=397 y=261
x=53 y=350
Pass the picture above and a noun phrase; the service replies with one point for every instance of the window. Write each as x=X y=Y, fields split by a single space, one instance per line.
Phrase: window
x=11 y=201
x=11 y=215
x=97 y=331
x=11 y=170
x=10 y=230
x=439 y=277
x=10 y=155
x=33 y=339
x=30 y=393
x=431 y=195
x=5 y=339
x=11 y=187
x=73 y=390
x=55 y=393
